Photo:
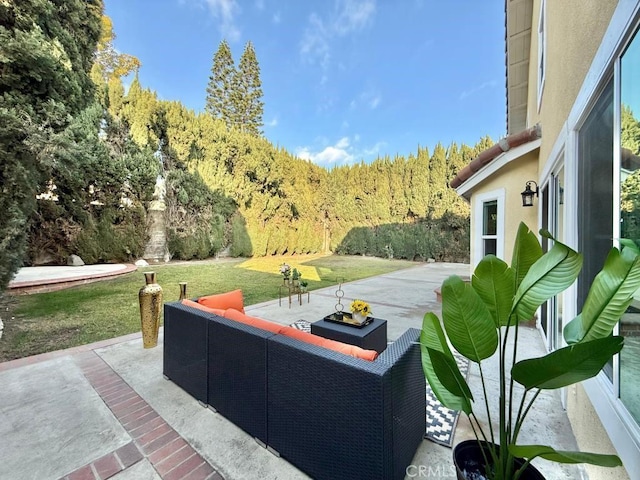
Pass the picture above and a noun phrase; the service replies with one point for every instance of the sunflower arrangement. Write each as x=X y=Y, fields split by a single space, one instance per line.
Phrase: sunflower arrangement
x=361 y=307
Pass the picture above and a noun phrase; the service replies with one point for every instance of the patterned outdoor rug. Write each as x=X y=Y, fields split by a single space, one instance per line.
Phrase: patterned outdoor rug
x=302 y=325
x=441 y=421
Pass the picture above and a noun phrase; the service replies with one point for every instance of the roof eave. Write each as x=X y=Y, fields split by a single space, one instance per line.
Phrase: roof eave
x=466 y=189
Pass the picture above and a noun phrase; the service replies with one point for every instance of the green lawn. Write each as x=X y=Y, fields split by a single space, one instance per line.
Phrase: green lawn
x=52 y=321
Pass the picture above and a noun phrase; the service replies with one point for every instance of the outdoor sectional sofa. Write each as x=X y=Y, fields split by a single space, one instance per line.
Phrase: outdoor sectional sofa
x=331 y=415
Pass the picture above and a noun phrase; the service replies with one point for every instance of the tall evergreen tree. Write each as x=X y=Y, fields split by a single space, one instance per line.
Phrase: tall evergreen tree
x=630 y=135
x=141 y=111
x=108 y=61
x=47 y=50
x=219 y=90
x=246 y=95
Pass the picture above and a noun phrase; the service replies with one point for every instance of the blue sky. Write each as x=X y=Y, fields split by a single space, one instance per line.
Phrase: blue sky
x=343 y=80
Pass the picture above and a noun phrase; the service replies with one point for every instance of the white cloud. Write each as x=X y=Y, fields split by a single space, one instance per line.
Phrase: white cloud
x=225 y=11
x=333 y=156
x=341 y=153
x=343 y=143
x=477 y=88
x=315 y=43
x=276 y=18
x=337 y=154
x=370 y=98
x=349 y=16
x=375 y=150
x=354 y=15
x=303 y=153
x=272 y=123
x=260 y=4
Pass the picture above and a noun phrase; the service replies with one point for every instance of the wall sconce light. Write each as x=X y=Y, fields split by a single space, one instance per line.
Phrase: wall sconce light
x=527 y=195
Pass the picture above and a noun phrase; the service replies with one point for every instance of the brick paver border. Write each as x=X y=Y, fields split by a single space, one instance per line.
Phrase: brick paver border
x=153 y=438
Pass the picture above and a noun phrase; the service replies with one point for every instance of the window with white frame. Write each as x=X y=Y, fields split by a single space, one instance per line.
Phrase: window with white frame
x=609 y=197
x=542 y=50
x=489 y=228
x=629 y=224
x=601 y=208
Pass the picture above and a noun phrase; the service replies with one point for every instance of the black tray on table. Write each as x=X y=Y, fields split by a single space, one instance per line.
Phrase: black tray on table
x=347 y=320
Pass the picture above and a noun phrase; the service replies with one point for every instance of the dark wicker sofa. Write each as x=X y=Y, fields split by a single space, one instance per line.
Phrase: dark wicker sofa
x=331 y=415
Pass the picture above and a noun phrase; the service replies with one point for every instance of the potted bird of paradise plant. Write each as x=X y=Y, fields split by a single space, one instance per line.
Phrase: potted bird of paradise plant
x=481 y=319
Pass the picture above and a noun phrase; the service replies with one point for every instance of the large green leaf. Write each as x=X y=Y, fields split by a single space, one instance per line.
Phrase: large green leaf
x=550 y=275
x=438 y=363
x=532 y=451
x=628 y=243
x=609 y=296
x=493 y=280
x=467 y=320
x=526 y=252
x=567 y=365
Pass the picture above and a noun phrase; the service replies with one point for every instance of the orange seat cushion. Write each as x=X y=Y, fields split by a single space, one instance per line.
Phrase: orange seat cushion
x=345 y=348
x=354 y=351
x=224 y=300
x=192 y=304
x=303 y=336
x=233 y=314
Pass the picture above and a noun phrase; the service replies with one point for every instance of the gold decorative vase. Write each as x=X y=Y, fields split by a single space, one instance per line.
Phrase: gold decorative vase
x=183 y=290
x=150 y=297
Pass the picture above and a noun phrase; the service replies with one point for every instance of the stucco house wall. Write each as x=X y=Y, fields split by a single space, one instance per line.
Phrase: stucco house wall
x=574 y=30
x=512 y=179
x=584 y=39
x=590 y=433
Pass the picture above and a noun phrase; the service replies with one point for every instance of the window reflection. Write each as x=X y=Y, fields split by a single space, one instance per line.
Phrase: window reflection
x=630 y=218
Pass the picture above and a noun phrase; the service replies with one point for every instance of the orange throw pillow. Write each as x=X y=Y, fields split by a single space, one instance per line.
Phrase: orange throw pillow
x=233 y=314
x=192 y=304
x=224 y=300
x=345 y=348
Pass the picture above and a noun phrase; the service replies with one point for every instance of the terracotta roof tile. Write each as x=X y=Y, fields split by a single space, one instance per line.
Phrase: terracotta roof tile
x=491 y=153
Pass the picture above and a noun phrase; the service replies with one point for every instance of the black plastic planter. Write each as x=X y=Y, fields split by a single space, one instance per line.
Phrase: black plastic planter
x=469 y=462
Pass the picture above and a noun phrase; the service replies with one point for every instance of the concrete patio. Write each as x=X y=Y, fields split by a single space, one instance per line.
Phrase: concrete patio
x=105 y=411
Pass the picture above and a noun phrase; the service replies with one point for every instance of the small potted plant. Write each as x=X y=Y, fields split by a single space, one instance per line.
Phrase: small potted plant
x=479 y=317
x=285 y=270
x=360 y=310
x=303 y=285
x=295 y=277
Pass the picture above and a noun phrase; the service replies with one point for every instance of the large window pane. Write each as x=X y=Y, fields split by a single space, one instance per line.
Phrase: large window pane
x=490 y=225
x=595 y=189
x=595 y=193
x=490 y=246
x=630 y=218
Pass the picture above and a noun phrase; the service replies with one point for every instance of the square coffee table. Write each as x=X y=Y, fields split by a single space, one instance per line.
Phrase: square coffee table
x=369 y=337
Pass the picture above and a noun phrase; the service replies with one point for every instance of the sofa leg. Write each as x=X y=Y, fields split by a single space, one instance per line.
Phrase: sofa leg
x=211 y=408
x=260 y=442
x=165 y=377
x=273 y=450
x=202 y=404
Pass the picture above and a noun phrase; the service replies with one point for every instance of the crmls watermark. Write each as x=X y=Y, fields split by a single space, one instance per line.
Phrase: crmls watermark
x=431 y=471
